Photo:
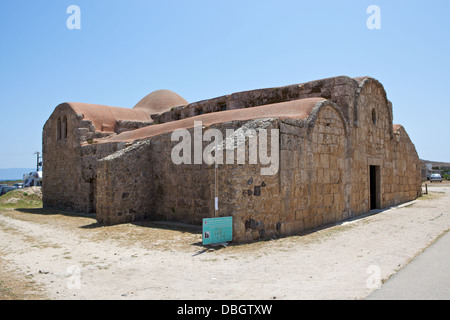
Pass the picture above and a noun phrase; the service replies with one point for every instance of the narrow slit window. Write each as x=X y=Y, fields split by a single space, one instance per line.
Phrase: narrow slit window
x=58 y=129
x=64 y=128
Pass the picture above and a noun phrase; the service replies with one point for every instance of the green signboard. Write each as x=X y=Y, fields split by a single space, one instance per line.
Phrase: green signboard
x=217 y=230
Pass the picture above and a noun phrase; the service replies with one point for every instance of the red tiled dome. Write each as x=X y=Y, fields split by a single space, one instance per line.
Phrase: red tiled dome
x=160 y=101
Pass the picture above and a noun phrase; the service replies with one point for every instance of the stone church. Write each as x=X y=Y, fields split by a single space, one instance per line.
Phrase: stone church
x=340 y=156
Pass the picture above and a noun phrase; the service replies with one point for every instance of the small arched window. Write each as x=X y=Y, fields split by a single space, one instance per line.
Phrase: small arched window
x=64 y=128
x=58 y=129
x=374 y=116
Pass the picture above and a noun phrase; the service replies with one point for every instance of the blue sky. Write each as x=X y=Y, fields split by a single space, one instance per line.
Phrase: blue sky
x=204 y=49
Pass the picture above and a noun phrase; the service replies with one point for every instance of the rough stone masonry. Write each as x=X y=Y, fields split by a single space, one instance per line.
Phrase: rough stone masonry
x=340 y=156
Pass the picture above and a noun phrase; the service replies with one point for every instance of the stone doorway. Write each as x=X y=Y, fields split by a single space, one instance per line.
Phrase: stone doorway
x=375 y=196
x=92 y=196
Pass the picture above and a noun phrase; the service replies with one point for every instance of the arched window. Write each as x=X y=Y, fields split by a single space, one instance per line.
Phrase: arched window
x=374 y=116
x=58 y=129
x=64 y=128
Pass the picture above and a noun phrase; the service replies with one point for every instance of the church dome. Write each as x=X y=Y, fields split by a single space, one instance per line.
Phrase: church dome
x=160 y=101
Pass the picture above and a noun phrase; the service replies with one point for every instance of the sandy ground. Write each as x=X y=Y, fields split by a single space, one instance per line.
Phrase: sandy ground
x=63 y=256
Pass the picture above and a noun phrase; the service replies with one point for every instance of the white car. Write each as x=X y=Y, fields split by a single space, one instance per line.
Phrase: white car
x=436 y=177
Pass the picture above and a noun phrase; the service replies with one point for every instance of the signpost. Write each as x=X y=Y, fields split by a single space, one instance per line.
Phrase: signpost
x=217 y=230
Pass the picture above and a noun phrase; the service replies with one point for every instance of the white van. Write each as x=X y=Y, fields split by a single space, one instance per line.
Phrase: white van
x=32 y=179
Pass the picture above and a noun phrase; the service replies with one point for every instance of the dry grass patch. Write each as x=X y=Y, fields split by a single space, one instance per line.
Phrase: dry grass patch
x=13 y=287
x=22 y=198
x=431 y=196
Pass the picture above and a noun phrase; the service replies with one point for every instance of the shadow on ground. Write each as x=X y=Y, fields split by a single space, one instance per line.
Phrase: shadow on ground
x=164 y=225
x=50 y=212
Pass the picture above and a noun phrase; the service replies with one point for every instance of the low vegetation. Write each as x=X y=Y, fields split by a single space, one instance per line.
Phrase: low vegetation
x=21 y=199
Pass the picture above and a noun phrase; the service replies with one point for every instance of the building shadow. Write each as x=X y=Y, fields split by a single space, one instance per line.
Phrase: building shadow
x=164 y=225
x=144 y=223
x=51 y=211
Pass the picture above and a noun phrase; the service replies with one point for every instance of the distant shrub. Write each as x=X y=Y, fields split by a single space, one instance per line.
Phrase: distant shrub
x=25 y=194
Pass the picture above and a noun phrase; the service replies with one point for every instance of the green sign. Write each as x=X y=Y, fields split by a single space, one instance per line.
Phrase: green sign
x=217 y=230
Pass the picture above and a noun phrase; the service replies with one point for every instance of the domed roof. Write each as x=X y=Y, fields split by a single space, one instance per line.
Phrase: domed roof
x=295 y=109
x=160 y=101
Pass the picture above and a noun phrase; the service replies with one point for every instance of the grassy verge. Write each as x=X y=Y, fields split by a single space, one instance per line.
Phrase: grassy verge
x=20 y=199
x=431 y=196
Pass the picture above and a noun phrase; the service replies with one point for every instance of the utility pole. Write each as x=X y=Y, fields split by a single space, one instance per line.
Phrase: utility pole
x=38 y=162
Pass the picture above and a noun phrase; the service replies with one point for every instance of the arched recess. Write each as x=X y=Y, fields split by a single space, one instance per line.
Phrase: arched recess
x=328 y=162
x=314 y=114
x=362 y=92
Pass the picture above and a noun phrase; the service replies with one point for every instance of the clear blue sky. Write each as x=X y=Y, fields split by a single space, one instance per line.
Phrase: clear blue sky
x=207 y=48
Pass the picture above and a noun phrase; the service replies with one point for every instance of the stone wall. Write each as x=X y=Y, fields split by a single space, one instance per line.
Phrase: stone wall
x=70 y=161
x=404 y=182
x=374 y=143
x=306 y=193
x=371 y=142
x=329 y=172
x=182 y=192
x=63 y=186
x=124 y=185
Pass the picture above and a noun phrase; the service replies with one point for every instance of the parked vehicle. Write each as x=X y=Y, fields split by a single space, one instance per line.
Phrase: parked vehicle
x=435 y=177
x=18 y=185
x=5 y=190
x=32 y=179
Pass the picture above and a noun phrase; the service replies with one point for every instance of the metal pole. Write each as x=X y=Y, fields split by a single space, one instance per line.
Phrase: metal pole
x=216 y=187
x=37 y=161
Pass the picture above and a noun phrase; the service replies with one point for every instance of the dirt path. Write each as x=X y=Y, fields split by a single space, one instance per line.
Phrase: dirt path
x=70 y=257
